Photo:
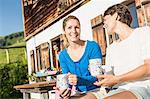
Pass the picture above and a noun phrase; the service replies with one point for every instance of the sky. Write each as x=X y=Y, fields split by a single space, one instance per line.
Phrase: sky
x=10 y=17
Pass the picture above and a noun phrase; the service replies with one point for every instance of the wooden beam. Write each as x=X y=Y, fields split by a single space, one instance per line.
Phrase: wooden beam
x=7 y=55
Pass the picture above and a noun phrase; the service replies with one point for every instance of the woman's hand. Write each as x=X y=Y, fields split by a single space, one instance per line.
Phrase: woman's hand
x=65 y=94
x=107 y=80
x=72 y=79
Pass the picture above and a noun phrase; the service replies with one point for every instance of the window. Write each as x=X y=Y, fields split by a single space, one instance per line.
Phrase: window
x=132 y=9
x=32 y=61
x=143 y=12
x=99 y=34
x=38 y=57
x=45 y=55
x=55 y=51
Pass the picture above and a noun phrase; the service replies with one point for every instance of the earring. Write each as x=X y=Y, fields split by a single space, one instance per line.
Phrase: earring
x=117 y=17
x=105 y=26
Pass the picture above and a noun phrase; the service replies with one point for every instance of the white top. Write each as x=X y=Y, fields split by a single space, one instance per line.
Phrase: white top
x=129 y=54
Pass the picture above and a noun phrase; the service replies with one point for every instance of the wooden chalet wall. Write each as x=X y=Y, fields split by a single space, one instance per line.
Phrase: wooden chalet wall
x=39 y=14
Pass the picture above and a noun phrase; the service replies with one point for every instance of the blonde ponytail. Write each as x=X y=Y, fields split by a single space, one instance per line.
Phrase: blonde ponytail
x=64 y=41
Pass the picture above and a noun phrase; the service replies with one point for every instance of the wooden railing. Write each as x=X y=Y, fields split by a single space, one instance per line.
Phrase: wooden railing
x=43 y=13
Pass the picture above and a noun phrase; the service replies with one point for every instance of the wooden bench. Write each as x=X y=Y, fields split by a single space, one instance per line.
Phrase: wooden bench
x=40 y=87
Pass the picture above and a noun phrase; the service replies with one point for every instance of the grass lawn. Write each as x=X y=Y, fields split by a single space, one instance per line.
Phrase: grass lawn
x=14 y=55
x=2 y=56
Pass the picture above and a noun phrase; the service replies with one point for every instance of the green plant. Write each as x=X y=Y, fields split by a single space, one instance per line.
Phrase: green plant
x=11 y=75
x=32 y=77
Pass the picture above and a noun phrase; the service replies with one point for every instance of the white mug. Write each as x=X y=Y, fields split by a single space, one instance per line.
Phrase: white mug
x=62 y=81
x=95 y=67
x=108 y=70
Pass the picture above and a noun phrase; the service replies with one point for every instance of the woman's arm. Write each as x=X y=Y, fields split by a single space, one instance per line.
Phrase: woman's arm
x=86 y=80
x=140 y=72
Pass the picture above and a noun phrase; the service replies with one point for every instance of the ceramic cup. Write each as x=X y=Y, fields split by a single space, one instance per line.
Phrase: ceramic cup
x=95 y=67
x=108 y=70
x=62 y=81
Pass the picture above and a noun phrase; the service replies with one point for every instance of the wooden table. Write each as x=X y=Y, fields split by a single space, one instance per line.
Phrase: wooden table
x=40 y=87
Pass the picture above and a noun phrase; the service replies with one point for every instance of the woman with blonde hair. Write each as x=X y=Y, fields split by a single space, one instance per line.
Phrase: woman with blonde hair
x=74 y=59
